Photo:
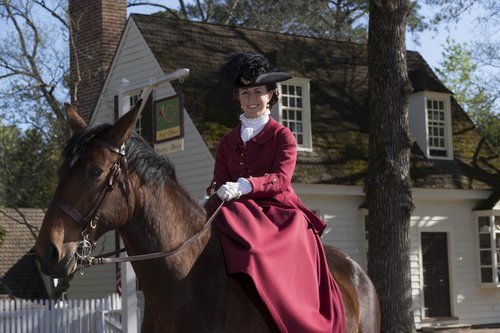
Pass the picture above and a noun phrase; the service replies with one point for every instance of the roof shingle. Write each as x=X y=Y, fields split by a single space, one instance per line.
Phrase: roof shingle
x=18 y=269
x=339 y=100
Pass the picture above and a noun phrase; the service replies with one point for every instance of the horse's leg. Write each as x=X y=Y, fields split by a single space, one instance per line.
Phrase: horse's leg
x=358 y=293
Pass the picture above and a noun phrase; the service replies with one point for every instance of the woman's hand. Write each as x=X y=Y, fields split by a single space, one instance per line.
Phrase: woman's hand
x=233 y=190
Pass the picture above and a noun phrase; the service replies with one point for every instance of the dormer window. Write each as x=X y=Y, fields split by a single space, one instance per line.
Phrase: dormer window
x=294 y=110
x=436 y=127
x=430 y=123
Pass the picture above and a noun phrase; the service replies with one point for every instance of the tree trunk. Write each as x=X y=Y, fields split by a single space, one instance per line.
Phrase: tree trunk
x=388 y=183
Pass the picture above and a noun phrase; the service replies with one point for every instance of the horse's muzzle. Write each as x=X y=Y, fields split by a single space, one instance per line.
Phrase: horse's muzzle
x=51 y=265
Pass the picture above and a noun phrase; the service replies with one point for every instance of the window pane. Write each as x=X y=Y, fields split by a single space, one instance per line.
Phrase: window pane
x=292 y=127
x=483 y=223
x=497 y=223
x=299 y=117
x=486 y=274
x=485 y=257
x=434 y=104
x=291 y=115
x=441 y=105
x=292 y=102
x=292 y=90
x=429 y=104
x=284 y=89
x=299 y=102
x=300 y=139
x=299 y=127
x=299 y=91
x=484 y=241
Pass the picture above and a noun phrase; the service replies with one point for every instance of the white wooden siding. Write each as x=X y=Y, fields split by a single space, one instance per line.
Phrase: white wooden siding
x=435 y=211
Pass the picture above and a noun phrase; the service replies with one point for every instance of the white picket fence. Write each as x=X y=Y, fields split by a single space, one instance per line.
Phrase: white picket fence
x=68 y=316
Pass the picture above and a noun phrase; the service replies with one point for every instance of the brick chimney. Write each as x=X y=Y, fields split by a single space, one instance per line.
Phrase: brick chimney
x=97 y=26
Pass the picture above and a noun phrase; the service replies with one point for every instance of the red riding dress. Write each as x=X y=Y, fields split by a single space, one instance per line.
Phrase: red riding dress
x=272 y=236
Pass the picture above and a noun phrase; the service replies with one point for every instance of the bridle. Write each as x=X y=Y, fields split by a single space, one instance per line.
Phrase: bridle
x=89 y=222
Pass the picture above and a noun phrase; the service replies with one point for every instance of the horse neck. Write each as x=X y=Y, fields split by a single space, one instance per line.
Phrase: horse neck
x=163 y=219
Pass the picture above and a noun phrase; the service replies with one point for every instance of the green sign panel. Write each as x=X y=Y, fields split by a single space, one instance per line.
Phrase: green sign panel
x=168 y=119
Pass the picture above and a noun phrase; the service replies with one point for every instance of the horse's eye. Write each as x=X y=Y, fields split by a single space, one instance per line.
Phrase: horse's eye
x=95 y=172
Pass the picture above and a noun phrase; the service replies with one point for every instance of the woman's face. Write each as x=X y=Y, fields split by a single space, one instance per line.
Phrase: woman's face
x=253 y=100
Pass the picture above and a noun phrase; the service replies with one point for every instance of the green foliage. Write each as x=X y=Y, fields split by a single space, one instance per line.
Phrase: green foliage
x=459 y=72
x=334 y=19
x=27 y=168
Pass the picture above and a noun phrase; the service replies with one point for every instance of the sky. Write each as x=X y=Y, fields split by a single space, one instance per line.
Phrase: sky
x=432 y=42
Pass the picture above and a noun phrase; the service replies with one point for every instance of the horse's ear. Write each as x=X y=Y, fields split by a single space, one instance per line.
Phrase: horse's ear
x=123 y=127
x=76 y=122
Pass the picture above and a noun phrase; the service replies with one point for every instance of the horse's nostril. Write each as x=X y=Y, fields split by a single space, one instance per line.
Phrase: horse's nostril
x=53 y=253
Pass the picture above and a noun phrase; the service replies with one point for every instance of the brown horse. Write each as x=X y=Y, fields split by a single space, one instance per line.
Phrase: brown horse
x=185 y=292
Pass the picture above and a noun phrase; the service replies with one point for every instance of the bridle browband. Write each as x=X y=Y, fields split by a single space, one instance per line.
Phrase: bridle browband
x=89 y=222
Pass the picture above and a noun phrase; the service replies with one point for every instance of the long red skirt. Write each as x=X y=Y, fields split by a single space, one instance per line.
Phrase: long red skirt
x=275 y=245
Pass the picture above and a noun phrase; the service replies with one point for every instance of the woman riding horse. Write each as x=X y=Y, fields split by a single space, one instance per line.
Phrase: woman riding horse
x=266 y=232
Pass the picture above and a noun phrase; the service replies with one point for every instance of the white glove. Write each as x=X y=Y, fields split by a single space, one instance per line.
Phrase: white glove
x=231 y=190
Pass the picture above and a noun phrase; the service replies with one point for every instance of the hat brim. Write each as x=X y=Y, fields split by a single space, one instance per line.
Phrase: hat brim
x=267 y=78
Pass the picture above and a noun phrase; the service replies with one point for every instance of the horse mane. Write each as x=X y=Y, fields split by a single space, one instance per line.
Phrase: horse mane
x=150 y=166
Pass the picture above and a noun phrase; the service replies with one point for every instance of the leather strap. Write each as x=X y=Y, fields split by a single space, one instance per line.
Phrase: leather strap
x=103 y=260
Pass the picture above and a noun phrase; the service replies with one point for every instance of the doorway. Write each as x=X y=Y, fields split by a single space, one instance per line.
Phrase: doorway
x=436 y=274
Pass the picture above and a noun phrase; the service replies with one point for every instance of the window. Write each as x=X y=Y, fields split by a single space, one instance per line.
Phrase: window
x=295 y=111
x=437 y=108
x=132 y=100
x=436 y=127
x=144 y=124
x=488 y=229
x=430 y=123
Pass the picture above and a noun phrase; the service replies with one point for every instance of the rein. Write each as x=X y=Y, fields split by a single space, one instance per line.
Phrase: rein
x=89 y=222
x=90 y=261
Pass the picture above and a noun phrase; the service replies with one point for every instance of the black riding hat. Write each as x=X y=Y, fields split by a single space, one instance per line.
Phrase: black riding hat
x=250 y=69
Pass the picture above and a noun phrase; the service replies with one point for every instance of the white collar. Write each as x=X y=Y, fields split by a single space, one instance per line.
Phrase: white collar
x=250 y=127
x=254 y=122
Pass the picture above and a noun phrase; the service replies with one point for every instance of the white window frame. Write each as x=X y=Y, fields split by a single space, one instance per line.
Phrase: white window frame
x=444 y=123
x=489 y=232
x=419 y=123
x=305 y=110
x=132 y=98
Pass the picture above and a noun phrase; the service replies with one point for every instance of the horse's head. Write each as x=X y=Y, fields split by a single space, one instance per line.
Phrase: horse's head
x=92 y=196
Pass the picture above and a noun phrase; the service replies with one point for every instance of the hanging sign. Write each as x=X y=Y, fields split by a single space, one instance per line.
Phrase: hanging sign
x=168 y=119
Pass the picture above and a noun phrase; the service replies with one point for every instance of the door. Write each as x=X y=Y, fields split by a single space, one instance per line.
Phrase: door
x=436 y=274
